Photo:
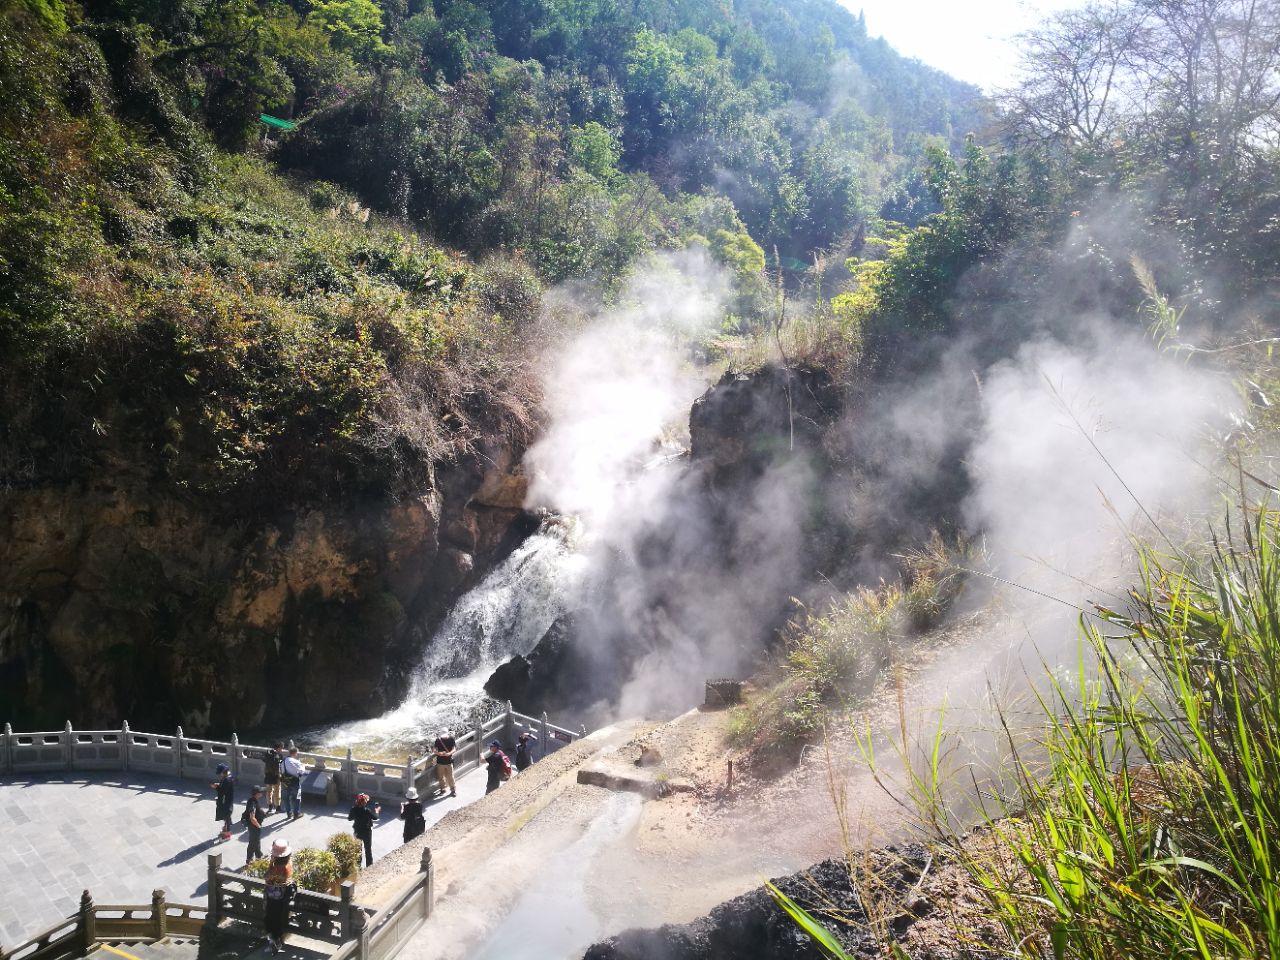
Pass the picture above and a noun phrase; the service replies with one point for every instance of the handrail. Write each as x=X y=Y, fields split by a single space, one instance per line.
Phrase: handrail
x=76 y=934
x=196 y=758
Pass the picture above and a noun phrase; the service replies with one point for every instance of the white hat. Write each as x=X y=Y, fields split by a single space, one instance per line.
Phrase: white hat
x=280 y=848
x=445 y=733
x=411 y=794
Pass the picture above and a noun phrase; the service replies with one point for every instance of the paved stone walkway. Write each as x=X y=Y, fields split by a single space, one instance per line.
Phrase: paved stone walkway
x=122 y=835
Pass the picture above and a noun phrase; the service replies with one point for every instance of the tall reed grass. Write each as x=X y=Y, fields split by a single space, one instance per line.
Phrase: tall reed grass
x=1147 y=822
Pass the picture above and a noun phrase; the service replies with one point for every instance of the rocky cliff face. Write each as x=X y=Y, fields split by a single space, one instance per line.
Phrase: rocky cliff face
x=120 y=599
x=723 y=546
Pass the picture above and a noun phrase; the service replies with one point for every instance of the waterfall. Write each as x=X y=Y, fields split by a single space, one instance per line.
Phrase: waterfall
x=506 y=614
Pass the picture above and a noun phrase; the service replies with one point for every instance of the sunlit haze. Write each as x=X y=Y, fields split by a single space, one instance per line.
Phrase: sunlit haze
x=971 y=41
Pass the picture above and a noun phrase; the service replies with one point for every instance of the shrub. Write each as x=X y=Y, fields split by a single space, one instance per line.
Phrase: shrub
x=844 y=648
x=347 y=851
x=327 y=196
x=257 y=868
x=316 y=870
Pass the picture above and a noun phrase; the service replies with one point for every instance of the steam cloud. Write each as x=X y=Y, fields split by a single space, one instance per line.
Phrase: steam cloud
x=1084 y=435
x=674 y=583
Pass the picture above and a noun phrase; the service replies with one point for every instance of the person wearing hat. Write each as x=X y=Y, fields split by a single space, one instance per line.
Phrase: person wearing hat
x=224 y=799
x=524 y=750
x=364 y=815
x=498 y=765
x=252 y=819
x=411 y=814
x=278 y=894
x=444 y=747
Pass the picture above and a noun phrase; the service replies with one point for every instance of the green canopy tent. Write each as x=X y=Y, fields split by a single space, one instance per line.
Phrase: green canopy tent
x=276 y=122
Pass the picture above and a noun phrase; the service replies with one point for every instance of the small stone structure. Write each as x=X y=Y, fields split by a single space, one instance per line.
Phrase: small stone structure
x=722 y=693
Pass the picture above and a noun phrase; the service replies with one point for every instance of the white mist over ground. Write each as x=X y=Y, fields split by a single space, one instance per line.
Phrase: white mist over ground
x=1085 y=450
x=506 y=614
x=554 y=916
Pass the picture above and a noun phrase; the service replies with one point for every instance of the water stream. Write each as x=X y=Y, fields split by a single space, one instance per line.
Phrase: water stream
x=506 y=614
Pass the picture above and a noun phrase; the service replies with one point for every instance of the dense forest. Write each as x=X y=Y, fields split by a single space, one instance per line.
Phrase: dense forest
x=240 y=300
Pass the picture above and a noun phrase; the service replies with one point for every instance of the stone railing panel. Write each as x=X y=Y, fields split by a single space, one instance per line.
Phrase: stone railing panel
x=200 y=758
x=43 y=750
x=154 y=753
x=315 y=915
x=124 y=922
x=97 y=749
x=376 y=779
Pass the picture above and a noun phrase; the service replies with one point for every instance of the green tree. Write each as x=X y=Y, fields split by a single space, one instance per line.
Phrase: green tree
x=353 y=25
x=595 y=149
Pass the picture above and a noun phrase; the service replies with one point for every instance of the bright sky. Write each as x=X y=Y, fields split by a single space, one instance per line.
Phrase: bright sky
x=969 y=39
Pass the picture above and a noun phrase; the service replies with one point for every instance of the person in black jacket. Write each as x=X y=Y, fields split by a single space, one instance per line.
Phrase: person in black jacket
x=364 y=815
x=272 y=762
x=225 y=799
x=411 y=814
x=252 y=819
x=496 y=762
x=524 y=751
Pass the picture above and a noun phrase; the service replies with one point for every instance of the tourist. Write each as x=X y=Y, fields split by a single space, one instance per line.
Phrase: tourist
x=272 y=762
x=224 y=800
x=252 y=819
x=499 y=766
x=444 y=747
x=524 y=750
x=411 y=814
x=292 y=771
x=279 y=892
x=365 y=815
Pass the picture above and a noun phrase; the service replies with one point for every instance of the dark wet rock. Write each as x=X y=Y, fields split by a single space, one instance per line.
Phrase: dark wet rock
x=749 y=422
x=754 y=926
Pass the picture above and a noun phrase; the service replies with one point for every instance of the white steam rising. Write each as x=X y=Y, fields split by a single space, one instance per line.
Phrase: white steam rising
x=1080 y=444
x=658 y=595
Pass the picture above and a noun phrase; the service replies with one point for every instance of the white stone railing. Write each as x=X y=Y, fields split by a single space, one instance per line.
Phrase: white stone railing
x=194 y=758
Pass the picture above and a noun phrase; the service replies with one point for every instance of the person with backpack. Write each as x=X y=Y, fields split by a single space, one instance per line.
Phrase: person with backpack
x=524 y=751
x=272 y=761
x=499 y=767
x=292 y=771
x=278 y=894
x=252 y=819
x=411 y=813
x=224 y=800
x=365 y=815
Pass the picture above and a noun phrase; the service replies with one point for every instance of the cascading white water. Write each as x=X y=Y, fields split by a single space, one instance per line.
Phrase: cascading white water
x=505 y=615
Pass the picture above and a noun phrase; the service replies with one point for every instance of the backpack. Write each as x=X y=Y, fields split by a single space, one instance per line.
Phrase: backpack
x=506 y=765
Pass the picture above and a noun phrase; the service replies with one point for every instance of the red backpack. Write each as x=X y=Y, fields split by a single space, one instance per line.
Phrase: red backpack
x=506 y=765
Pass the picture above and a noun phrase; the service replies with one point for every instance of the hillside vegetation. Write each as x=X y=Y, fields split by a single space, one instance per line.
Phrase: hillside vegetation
x=170 y=287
